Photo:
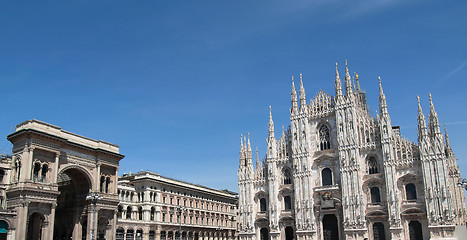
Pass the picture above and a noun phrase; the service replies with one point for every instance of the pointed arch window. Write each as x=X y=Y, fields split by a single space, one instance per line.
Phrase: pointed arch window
x=410 y=191
x=372 y=165
x=262 y=205
x=375 y=195
x=326 y=177
x=287 y=203
x=287 y=177
x=324 y=137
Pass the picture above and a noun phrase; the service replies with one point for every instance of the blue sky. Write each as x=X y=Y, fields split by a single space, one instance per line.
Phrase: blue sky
x=175 y=83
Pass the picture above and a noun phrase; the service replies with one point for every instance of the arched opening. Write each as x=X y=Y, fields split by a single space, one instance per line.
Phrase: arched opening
x=35 y=174
x=287 y=177
x=262 y=205
x=287 y=203
x=410 y=192
x=372 y=165
x=330 y=228
x=2 y=174
x=45 y=168
x=128 y=212
x=140 y=213
x=119 y=211
x=130 y=234
x=102 y=228
x=3 y=230
x=375 y=195
x=378 y=231
x=163 y=236
x=264 y=234
x=139 y=234
x=324 y=137
x=326 y=177
x=289 y=233
x=74 y=186
x=415 y=230
x=120 y=234
x=153 y=213
x=35 y=222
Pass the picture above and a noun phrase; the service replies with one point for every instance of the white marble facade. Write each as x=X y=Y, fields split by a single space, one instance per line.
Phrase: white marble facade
x=339 y=173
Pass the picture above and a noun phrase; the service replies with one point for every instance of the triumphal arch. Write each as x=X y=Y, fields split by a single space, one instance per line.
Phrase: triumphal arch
x=63 y=185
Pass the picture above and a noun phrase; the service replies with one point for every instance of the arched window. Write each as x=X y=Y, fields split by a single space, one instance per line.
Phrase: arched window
x=378 y=231
x=324 y=137
x=120 y=234
x=35 y=175
x=372 y=165
x=128 y=212
x=101 y=189
x=326 y=177
x=287 y=177
x=119 y=211
x=153 y=213
x=140 y=213
x=287 y=203
x=107 y=184
x=410 y=191
x=262 y=205
x=2 y=174
x=375 y=196
x=45 y=168
x=130 y=234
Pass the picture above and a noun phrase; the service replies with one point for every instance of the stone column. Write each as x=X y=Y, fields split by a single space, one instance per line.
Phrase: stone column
x=50 y=230
x=57 y=159
x=22 y=213
x=97 y=178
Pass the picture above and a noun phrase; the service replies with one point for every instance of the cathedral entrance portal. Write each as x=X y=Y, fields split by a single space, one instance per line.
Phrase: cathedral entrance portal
x=74 y=186
x=289 y=233
x=415 y=230
x=330 y=228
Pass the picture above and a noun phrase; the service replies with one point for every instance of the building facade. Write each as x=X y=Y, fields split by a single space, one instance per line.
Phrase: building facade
x=156 y=207
x=339 y=173
x=60 y=185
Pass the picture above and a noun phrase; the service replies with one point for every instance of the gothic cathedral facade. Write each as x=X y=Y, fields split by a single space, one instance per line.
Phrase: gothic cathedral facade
x=339 y=173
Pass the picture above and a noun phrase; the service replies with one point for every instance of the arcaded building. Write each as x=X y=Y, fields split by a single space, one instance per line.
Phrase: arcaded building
x=338 y=172
x=157 y=207
x=60 y=185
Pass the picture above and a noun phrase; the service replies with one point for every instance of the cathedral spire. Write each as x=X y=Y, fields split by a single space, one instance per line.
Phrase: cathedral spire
x=257 y=159
x=433 y=120
x=422 y=131
x=271 y=124
x=242 y=152
x=302 y=95
x=383 y=107
x=348 y=81
x=449 y=151
x=294 y=109
x=338 y=84
x=358 y=82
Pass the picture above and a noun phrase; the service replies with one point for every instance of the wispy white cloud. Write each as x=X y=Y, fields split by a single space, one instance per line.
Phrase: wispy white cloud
x=450 y=74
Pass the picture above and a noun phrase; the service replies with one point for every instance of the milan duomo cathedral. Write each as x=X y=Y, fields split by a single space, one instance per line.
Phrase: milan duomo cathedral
x=340 y=173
